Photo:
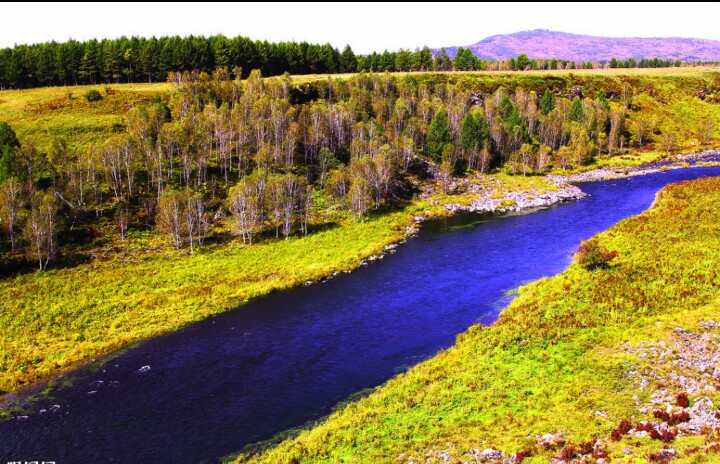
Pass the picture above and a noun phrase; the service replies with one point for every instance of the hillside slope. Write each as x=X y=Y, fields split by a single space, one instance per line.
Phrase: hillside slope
x=541 y=43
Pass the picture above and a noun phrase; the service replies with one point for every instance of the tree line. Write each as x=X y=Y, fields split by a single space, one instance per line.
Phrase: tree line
x=137 y=59
x=266 y=157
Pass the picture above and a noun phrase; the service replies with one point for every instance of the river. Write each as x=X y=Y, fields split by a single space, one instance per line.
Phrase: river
x=288 y=357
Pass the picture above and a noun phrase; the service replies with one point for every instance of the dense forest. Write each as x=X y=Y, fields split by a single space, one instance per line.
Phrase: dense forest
x=266 y=156
x=138 y=59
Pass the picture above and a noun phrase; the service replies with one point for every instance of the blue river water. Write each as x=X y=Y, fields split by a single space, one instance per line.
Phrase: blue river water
x=289 y=357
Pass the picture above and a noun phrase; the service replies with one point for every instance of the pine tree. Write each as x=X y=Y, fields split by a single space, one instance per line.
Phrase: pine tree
x=8 y=146
x=522 y=62
x=601 y=97
x=348 y=62
x=438 y=135
x=469 y=133
x=547 y=102
x=576 y=110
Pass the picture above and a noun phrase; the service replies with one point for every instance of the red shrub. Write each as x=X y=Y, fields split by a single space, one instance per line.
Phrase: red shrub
x=587 y=447
x=622 y=429
x=679 y=417
x=664 y=455
x=713 y=448
x=592 y=255
x=666 y=435
x=645 y=426
x=567 y=454
x=600 y=454
x=520 y=456
x=682 y=400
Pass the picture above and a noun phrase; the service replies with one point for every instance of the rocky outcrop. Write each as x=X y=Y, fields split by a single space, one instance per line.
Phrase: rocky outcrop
x=519 y=201
x=687 y=366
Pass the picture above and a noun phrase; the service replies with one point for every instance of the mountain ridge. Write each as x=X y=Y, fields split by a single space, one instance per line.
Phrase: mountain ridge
x=546 y=44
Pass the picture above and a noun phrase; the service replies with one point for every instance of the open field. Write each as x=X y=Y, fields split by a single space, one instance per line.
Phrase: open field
x=39 y=115
x=640 y=72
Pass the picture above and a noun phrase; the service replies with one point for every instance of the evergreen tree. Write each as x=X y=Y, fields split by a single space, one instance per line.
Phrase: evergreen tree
x=522 y=62
x=474 y=131
x=506 y=106
x=348 y=62
x=469 y=133
x=8 y=146
x=442 y=61
x=547 y=102
x=576 y=110
x=403 y=60
x=516 y=125
x=438 y=135
x=423 y=59
x=601 y=97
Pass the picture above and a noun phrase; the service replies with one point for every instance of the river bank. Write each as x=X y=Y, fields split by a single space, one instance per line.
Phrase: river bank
x=280 y=360
x=103 y=307
x=480 y=198
x=589 y=365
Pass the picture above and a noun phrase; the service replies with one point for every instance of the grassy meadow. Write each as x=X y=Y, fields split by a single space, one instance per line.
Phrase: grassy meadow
x=563 y=359
x=39 y=115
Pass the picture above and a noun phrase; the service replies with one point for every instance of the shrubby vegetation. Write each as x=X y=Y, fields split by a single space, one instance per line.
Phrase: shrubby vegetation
x=592 y=255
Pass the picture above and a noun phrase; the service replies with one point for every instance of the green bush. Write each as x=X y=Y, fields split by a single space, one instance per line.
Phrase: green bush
x=92 y=95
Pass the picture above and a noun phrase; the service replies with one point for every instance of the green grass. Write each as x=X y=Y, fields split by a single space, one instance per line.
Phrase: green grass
x=39 y=115
x=555 y=362
x=55 y=320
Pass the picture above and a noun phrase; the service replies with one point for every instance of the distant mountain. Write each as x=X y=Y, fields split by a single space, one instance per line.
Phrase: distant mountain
x=542 y=43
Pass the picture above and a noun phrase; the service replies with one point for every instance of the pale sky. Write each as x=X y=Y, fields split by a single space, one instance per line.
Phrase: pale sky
x=366 y=27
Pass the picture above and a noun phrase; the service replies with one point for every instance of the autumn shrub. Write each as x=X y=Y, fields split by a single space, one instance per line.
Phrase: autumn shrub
x=592 y=255
x=679 y=418
x=568 y=453
x=666 y=435
x=682 y=400
x=520 y=456
x=645 y=426
x=586 y=447
x=622 y=429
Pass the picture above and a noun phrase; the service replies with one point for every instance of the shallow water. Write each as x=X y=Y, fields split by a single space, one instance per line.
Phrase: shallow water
x=287 y=358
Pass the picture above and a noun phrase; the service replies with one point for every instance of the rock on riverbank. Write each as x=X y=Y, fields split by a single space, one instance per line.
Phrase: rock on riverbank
x=519 y=201
x=679 y=162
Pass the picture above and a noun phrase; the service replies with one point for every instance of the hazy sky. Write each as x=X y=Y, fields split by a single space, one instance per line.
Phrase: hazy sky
x=366 y=27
